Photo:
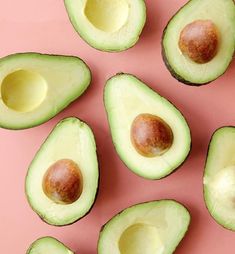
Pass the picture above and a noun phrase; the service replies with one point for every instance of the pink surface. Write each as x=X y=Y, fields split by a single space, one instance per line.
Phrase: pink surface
x=43 y=26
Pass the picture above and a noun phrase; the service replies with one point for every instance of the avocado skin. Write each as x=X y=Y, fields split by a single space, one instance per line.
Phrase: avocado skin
x=98 y=186
x=102 y=228
x=31 y=246
x=170 y=69
x=44 y=55
x=121 y=73
x=218 y=222
x=106 y=50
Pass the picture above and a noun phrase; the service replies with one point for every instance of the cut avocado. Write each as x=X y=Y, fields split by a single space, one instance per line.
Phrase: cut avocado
x=198 y=43
x=48 y=245
x=108 y=25
x=35 y=87
x=154 y=227
x=62 y=179
x=150 y=135
x=219 y=177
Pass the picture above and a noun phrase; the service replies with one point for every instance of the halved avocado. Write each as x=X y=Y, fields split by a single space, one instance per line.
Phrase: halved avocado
x=219 y=177
x=153 y=227
x=62 y=179
x=150 y=134
x=36 y=87
x=199 y=41
x=108 y=25
x=48 y=245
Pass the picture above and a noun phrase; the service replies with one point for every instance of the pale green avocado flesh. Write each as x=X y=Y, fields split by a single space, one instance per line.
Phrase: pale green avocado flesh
x=222 y=14
x=71 y=139
x=48 y=245
x=154 y=227
x=35 y=87
x=125 y=98
x=108 y=25
x=219 y=177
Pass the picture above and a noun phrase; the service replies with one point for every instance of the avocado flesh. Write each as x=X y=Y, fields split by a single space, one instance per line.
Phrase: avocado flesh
x=180 y=66
x=35 y=87
x=219 y=177
x=74 y=140
x=48 y=245
x=108 y=25
x=154 y=227
x=126 y=97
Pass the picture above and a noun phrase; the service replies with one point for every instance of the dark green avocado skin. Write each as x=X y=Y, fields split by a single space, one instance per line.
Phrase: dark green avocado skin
x=98 y=187
x=170 y=69
x=121 y=73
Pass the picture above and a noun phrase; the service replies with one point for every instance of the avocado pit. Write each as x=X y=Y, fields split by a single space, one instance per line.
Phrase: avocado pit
x=199 y=41
x=150 y=135
x=63 y=182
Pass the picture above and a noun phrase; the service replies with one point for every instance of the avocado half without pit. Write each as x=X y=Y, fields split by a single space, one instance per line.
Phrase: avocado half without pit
x=35 y=87
x=108 y=25
x=62 y=179
x=219 y=177
x=153 y=227
x=198 y=43
x=48 y=245
x=150 y=134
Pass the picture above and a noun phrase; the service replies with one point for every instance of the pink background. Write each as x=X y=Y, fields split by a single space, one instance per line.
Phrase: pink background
x=43 y=26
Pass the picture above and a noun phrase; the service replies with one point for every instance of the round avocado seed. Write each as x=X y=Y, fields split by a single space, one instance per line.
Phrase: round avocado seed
x=62 y=182
x=199 y=41
x=150 y=135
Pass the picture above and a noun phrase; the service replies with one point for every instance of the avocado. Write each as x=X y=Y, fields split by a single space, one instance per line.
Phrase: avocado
x=149 y=133
x=198 y=43
x=35 y=87
x=219 y=177
x=153 y=227
x=62 y=180
x=48 y=245
x=108 y=25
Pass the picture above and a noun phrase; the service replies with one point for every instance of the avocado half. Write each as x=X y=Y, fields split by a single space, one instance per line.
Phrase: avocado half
x=36 y=87
x=219 y=177
x=108 y=25
x=71 y=140
x=153 y=227
x=125 y=98
x=48 y=245
x=180 y=65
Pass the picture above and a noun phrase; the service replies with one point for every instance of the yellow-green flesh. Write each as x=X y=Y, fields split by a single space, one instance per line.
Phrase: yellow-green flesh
x=71 y=139
x=219 y=177
x=125 y=98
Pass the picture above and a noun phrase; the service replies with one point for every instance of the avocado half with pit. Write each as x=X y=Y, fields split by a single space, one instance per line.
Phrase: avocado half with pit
x=153 y=227
x=62 y=179
x=48 y=245
x=219 y=177
x=36 y=87
x=149 y=133
x=108 y=25
x=199 y=41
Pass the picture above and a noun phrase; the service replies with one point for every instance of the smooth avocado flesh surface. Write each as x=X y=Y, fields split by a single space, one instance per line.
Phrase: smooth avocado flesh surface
x=219 y=177
x=62 y=179
x=48 y=245
x=35 y=87
x=198 y=43
x=108 y=25
x=154 y=227
x=150 y=134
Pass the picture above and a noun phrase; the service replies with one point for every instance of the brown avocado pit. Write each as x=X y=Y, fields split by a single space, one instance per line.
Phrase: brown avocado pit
x=199 y=41
x=150 y=135
x=63 y=182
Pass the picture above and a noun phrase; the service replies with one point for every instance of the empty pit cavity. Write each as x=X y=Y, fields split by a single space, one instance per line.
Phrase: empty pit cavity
x=23 y=90
x=140 y=238
x=107 y=15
